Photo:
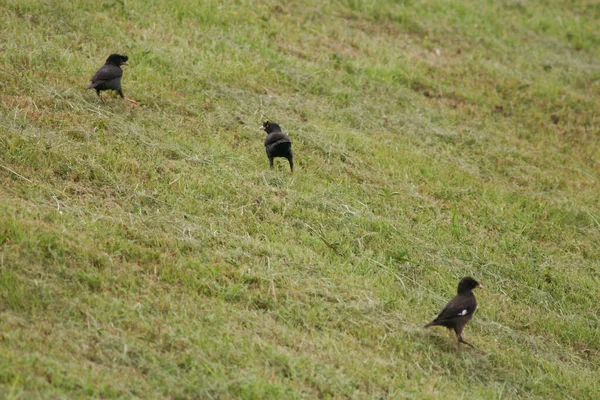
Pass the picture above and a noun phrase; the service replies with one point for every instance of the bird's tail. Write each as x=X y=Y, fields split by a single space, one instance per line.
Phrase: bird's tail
x=282 y=144
x=432 y=323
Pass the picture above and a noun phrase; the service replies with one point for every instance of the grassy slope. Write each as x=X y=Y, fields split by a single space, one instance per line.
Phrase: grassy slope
x=150 y=252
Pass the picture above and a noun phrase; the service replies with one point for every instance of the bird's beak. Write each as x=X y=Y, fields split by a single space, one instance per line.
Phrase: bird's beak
x=480 y=286
x=124 y=63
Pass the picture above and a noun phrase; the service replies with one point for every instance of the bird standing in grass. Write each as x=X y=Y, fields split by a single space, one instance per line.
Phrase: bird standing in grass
x=459 y=310
x=109 y=76
x=278 y=144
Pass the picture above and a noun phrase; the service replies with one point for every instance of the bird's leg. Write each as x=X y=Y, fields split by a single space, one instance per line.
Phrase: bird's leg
x=461 y=340
x=271 y=162
x=132 y=102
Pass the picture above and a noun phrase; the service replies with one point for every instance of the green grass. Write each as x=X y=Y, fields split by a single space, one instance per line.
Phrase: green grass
x=150 y=252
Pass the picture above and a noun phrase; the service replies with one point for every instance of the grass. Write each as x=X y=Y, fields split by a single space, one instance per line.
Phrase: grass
x=150 y=252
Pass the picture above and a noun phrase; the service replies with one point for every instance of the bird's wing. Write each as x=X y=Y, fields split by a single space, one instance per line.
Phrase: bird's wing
x=459 y=306
x=107 y=72
x=274 y=137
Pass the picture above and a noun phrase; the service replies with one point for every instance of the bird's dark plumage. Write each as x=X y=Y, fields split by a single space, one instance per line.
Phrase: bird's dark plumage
x=459 y=310
x=109 y=75
x=278 y=144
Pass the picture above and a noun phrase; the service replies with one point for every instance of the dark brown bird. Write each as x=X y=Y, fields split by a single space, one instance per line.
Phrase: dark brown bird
x=278 y=144
x=109 y=76
x=459 y=310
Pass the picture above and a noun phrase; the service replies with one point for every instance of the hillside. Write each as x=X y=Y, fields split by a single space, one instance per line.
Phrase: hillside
x=150 y=252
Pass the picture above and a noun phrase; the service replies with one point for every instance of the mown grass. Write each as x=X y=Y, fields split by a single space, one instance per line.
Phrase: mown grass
x=150 y=252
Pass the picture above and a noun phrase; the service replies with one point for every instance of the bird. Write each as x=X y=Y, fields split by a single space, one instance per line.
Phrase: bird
x=278 y=144
x=459 y=310
x=108 y=77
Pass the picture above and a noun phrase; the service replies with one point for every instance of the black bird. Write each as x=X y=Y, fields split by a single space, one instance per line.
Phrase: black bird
x=459 y=310
x=278 y=144
x=109 y=76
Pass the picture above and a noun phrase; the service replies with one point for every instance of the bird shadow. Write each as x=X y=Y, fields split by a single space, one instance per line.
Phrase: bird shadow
x=275 y=179
x=441 y=342
x=438 y=353
x=433 y=339
x=448 y=343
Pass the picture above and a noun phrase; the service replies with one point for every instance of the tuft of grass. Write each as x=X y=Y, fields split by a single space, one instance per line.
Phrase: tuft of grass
x=150 y=252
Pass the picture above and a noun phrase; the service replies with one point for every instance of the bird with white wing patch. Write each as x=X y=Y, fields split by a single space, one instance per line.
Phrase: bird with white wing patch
x=459 y=310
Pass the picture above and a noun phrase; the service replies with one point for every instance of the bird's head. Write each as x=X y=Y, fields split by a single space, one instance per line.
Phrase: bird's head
x=270 y=127
x=117 y=59
x=467 y=284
